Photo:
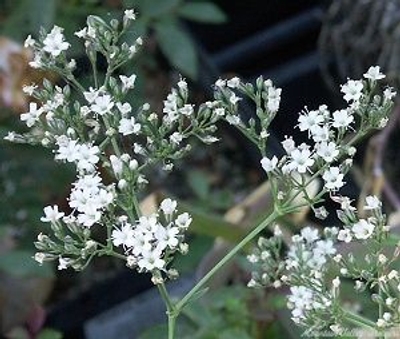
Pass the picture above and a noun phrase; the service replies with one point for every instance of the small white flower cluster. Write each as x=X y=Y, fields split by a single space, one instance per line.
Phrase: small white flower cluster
x=359 y=228
x=92 y=134
x=328 y=132
x=150 y=242
x=314 y=298
x=304 y=269
x=266 y=98
x=307 y=261
x=105 y=137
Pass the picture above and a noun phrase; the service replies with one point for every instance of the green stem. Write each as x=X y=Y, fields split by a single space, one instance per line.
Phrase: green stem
x=359 y=320
x=273 y=216
x=165 y=296
x=112 y=138
x=171 y=311
x=171 y=325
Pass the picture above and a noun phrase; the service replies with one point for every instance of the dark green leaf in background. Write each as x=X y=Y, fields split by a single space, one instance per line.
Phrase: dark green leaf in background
x=41 y=14
x=21 y=264
x=206 y=12
x=152 y=8
x=177 y=46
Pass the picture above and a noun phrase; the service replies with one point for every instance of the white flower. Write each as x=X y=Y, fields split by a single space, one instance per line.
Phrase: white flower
x=33 y=115
x=124 y=108
x=336 y=282
x=374 y=73
x=102 y=104
x=168 y=206
x=39 y=257
x=381 y=322
x=128 y=82
x=167 y=237
x=151 y=260
x=234 y=99
x=363 y=229
x=342 y=118
x=129 y=14
x=37 y=61
x=186 y=110
x=90 y=217
x=309 y=120
x=81 y=33
x=52 y=214
x=176 y=138
x=301 y=160
x=345 y=202
x=320 y=133
x=277 y=231
x=309 y=234
x=288 y=144
x=233 y=119
x=123 y=236
x=393 y=274
x=389 y=93
x=63 y=263
x=327 y=151
x=352 y=90
x=148 y=224
x=87 y=157
x=183 y=220
x=182 y=84
x=29 y=90
x=372 y=203
x=333 y=178
x=274 y=99
x=29 y=42
x=220 y=83
x=300 y=300
x=233 y=83
x=68 y=149
x=345 y=235
x=324 y=247
x=269 y=164
x=128 y=126
x=54 y=42
x=91 y=95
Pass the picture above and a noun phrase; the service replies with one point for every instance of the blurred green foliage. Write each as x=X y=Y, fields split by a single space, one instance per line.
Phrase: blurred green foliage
x=161 y=19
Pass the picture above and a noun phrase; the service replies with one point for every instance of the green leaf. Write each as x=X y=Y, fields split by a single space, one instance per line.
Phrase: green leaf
x=48 y=333
x=138 y=29
x=177 y=46
x=20 y=263
x=199 y=314
x=234 y=333
x=199 y=183
x=202 y=12
x=41 y=14
x=212 y=225
x=154 y=8
x=196 y=296
x=199 y=246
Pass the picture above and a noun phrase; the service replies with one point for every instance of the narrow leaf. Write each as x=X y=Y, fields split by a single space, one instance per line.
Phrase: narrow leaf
x=41 y=14
x=157 y=8
x=177 y=46
x=206 y=12
x=20 y=263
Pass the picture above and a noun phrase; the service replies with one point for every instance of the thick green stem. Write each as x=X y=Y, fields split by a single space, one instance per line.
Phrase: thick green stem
x=272 y=217
x=171 y=325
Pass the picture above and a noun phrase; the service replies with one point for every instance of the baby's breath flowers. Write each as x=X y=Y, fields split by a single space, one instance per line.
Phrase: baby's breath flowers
x=112 y=142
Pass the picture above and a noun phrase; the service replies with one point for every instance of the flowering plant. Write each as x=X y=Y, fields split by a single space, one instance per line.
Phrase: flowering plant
x=112 y=144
